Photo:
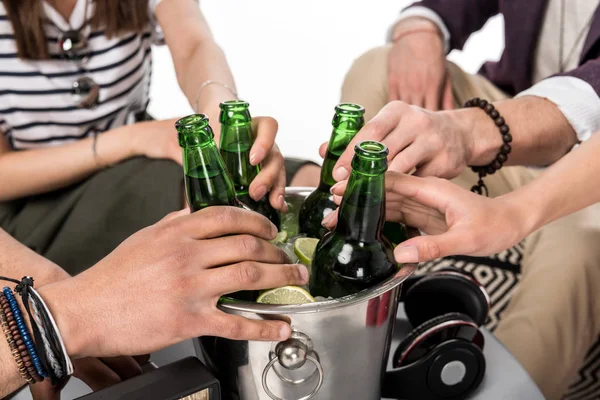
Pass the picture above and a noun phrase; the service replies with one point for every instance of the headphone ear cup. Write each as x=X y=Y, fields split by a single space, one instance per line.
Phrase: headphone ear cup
x=420 y=340
x=443 y=293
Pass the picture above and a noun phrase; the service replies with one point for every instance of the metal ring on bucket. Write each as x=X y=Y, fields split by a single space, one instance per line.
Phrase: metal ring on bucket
x=296 y=381
x=308 y=396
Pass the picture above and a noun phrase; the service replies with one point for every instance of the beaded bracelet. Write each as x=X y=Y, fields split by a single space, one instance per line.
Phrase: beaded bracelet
x=11 y=339
x=24 y=333
x=16 y=335
x=505 y=149
x=48 y=348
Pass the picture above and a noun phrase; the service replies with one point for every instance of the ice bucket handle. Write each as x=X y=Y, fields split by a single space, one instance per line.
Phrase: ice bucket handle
x=293 y=354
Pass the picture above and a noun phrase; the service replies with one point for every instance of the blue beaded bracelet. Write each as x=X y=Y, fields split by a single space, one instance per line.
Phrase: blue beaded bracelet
x=14 y=307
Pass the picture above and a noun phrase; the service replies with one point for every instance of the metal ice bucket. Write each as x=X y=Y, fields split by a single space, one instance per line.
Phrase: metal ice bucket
x=338 y=349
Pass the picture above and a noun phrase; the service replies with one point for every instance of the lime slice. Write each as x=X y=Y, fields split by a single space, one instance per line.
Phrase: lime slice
x=305 y=249
x=285 y=295
x=281 y=237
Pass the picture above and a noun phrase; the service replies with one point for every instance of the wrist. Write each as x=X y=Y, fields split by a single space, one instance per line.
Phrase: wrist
x=210 y=98
x=211 y=94
x=480 y=134
x=414 y=25
x=524 y=215
x=208 y=104
x=62 y=299
x=118 y=144
x=52 y=275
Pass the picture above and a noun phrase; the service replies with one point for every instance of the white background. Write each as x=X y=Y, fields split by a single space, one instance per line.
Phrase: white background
x=289 y=59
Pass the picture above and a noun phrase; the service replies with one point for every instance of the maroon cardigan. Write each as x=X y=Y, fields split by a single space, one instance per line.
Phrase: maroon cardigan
x=523 y=22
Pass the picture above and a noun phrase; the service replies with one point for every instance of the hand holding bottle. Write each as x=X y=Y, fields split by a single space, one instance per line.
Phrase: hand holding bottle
x=438 y=144
x=455 y=220
x=265 y=152
x=245 y=143
x=160 y=287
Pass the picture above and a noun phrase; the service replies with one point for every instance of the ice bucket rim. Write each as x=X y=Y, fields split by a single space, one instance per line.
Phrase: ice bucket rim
x=405 y=271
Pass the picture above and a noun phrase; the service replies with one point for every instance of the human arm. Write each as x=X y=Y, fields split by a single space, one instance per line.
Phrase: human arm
x=162 y=282
x=17 y=261
x=422 y=36
x=460 y=222
x=457 y=20
x=444 y=143
x=576 y=93
x=198 y=59
x=36 y=171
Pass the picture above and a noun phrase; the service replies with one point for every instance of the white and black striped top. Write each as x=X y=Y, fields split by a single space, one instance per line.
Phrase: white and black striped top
x=36 y=106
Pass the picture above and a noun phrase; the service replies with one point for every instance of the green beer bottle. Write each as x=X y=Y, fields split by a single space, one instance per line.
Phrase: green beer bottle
x=347 y=121
x=356 y=255
x=395 y=232
x=236 y=141
x=206 y=180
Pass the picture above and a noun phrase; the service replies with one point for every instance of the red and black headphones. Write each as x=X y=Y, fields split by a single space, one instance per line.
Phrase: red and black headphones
x=442 y=358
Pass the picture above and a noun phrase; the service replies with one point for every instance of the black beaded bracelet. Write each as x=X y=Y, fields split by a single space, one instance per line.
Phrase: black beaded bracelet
x=505 y=149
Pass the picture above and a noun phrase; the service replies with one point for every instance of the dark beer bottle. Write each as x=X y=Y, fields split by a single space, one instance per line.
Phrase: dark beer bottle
x=356 y=255
x=236 y=141
x=347 y=121
x=206 y=180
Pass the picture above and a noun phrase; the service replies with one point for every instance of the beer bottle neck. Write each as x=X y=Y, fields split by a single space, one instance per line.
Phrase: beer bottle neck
x=236 y=143
x=362 y=211
x=204 y=165
x=207 y=180
x=327 y=180
x=347 y=121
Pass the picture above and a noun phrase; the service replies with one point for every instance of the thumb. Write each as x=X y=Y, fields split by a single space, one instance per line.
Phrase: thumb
x=265 y=129
x=427 y=248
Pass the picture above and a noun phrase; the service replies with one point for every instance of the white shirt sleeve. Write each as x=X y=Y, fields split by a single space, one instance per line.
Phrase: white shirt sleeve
x=426 y=13
x=575 y=98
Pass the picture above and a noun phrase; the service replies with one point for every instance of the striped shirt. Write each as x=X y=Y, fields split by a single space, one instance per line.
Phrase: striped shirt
x=36 y=105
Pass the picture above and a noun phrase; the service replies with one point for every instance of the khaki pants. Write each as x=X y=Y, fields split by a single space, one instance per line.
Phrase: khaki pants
x=554 y=316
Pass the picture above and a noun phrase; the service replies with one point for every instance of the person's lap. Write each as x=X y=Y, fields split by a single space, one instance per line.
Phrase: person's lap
x=554 y=300
x=77 y=226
